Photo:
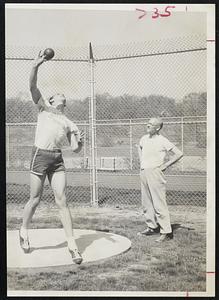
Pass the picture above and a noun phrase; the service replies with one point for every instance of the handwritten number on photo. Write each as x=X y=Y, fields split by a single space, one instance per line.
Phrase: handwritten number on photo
x=168 y=12
x=156 y=13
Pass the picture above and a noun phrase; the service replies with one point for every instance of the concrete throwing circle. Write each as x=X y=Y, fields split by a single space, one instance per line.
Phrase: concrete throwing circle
x=49 y=247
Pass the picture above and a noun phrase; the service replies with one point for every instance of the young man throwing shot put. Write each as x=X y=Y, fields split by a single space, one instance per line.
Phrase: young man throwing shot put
x=152 y=149
x=52 y=128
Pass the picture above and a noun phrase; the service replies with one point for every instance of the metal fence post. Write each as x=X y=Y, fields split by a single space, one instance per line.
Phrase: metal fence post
x=182 y=142
x=94 y=200
x=8 y=146
x=85 y=146
x=130 y=144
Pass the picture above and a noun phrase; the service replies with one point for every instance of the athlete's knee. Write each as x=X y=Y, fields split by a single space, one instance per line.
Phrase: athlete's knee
x=61 y=201
x=34 y=201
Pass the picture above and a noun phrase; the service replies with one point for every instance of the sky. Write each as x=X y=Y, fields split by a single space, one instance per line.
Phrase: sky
x=65 y=26
x=73 y=27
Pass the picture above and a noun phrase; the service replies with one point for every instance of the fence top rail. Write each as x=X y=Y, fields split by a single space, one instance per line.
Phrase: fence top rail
x=150 y=54
x=55 y=59
x=35 y=123
x=145 y=123
x=147 y=118
x=111 y=58
x=117 y=123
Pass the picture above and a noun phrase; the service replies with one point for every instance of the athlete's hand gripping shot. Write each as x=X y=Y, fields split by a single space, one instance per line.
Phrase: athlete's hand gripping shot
x=52 y=129
x=152 y=150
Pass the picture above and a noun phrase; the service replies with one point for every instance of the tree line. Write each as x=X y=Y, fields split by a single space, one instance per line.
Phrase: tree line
x=120 y=107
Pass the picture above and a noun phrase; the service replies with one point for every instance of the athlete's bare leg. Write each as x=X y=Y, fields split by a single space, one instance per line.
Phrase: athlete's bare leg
x=58 y=184
x=36 y=190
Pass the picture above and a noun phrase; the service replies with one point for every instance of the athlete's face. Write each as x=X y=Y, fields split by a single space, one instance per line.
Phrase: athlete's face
x=59 y=102
x=153 y=126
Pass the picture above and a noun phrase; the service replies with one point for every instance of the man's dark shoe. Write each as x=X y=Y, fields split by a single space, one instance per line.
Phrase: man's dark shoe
x=24 y=243
x=150 y=231
x=164 y=237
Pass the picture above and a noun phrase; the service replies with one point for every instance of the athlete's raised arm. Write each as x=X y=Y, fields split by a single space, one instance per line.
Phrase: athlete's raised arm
x=35 y=92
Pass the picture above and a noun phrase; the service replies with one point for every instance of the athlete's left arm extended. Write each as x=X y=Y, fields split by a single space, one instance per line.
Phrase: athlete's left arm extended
x=176 y=155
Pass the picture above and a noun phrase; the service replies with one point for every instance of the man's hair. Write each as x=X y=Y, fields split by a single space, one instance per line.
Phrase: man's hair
x=51 y=98
x=159 y=122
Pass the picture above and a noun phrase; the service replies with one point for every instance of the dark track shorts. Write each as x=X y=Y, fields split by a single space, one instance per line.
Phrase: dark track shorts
x=46 y=161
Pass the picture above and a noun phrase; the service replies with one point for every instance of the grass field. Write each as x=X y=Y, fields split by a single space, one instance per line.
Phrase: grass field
x=177 y=265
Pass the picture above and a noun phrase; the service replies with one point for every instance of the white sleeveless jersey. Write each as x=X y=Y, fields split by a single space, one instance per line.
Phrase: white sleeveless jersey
x=52 y=129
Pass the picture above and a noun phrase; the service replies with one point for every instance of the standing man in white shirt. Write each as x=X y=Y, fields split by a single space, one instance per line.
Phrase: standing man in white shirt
x=152 y=149
x=52 y=129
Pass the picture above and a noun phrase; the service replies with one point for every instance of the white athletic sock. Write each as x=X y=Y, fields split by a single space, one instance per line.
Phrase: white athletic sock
x=24 y=232
x=71 y=243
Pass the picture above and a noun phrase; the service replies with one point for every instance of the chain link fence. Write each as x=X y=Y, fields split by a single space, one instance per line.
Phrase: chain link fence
x=165 y=77
x=132 y=83
x=119 y=165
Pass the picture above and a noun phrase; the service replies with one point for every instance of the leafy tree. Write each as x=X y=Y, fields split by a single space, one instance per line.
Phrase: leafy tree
x=195 y=104
x=119 y=107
